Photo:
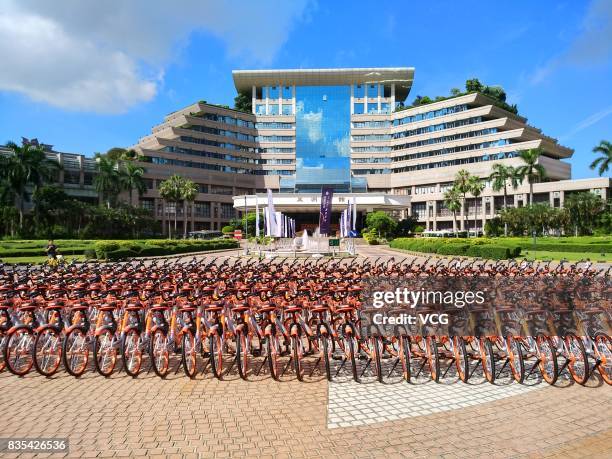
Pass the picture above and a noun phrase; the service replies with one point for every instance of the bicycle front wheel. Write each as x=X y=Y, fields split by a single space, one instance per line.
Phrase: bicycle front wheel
x=273 y=356
x=433 y=358
x=76 y=352
x=603 y=351
x=2 y=345
x=216 y=355
x=131 y=353
x=188 y=354
x=47 y=351
x=578 y=361
x=462 y=362
x=18 y=351
x=405 y=356
x=487 y=357
x=242 y=354
x=105 y=353
x=516 y=360
x=547 y=359
x=158 y=350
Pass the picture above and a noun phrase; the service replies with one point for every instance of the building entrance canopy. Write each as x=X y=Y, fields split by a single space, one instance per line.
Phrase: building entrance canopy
x=311 y=202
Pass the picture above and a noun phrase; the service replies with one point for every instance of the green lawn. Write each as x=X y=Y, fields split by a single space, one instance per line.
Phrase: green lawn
x=36 y=260
x=569 y=256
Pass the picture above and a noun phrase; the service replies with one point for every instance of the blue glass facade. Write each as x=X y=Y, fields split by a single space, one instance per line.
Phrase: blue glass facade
x=323 y=120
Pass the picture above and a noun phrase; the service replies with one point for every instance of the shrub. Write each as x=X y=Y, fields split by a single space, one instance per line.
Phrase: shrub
x=493 y=252
x=90 y=254
x=227 y=229
x=419 y=229
x=120 y=254
x=453 y=249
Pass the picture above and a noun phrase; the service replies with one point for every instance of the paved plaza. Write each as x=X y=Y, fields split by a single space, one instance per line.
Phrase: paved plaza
x=121 y=416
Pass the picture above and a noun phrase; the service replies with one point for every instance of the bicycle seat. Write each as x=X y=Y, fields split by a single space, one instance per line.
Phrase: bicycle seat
x=159 y=307
x=267 y=308
x=214 y=308
x=345 y=309
x=26 y=307
x=240 y=307
x=107 y=307
x=292 y=309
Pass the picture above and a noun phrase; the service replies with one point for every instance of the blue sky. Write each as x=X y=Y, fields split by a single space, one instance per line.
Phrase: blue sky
x=86 y=78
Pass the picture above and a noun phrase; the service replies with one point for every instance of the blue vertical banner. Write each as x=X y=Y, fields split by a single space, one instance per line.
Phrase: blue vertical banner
x=327 y=194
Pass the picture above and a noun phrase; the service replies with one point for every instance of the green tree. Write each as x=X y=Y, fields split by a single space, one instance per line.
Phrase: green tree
x=108 y=180
x=603 y=162
x=188 y=194
x=382 y=223
x=26 y=166
x=584 y=211
x=462 y=185
x=452 y=199
x=455 y=92
x=500 y=176
x=171 y=190
x=121 y=154
x=531 y=170
x=473 y=85
x=243 y=102
x=406 y=226
x=475 y=186
x=131 y=178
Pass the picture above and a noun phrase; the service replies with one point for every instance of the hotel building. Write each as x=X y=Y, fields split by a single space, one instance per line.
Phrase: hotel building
x=345 y=128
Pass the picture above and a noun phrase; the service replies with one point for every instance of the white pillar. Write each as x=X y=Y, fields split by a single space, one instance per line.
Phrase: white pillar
x=352 y=99
x=264 y=94
x=253 y=98
x=392 y=103
x=378 y=97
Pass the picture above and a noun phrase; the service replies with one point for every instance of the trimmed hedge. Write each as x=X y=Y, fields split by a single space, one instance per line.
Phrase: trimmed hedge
x=119 y=250
x=28 y=252
x=575 y=248
x=475 y=248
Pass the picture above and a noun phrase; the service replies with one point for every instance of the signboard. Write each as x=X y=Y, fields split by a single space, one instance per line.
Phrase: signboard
x=353 y=233
x=334 y=242
x=238 y=234
x=327 y=194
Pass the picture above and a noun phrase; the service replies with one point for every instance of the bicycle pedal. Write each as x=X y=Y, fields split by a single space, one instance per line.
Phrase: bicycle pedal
x=337 y=357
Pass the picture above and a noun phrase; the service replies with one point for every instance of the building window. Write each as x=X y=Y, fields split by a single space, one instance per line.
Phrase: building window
x=227 y=211
x=372 y=108
x=72 y=177
x=260 y=109
x=287 y=109
x=273 y=109
x=219 y=189
x=201 y=209
x=147 y=204
x=384 y=107
x=359 y=91
x=287 y=93
x=358 y=109
x=88 y=178
x=372 y=90
x=273 y=92
x=202 y=187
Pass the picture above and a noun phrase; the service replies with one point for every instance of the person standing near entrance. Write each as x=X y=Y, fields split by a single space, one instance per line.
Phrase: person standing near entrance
x=51 y=249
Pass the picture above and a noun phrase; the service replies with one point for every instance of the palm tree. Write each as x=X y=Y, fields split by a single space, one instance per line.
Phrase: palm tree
x=171 y=190
x=131 y=178
x=26 y=166
x=499 y=177
x=476 y=186
x=603 y=162
x=452 y=199
x=189 y=193
x=108 y=179
x=531 y=170
x=462 y=184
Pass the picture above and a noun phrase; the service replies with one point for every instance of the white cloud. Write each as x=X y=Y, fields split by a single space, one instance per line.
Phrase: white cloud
x=312 y=122
x=342 y=146
x=588 y=122
x=104 y=56
x=592 y=46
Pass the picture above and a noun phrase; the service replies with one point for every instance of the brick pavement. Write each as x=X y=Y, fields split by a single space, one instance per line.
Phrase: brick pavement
x=120 y=416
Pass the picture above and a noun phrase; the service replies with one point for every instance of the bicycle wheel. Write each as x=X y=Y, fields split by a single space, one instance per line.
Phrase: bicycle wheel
x=516 y=360
x=350 y=343
x=272 y=347
x=433 y=358
x=75 y=353
x=376 y=343
x=462 y=362
x=216 y=355
x=405 y=356
x=298 y=352
x=188 y=354
x=578 y=361
x=47 y=351
x=488 y=359
x=18 y=351
x=242 y=354
x=158 y=350
x=603 y=349
x=3 y=340
x=547 y=357
x=105 y=353
x=131 y=352
x=327 y=346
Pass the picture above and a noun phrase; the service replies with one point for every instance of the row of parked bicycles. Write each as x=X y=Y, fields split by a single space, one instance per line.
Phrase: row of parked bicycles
x=286 y=318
